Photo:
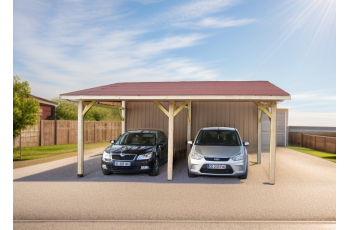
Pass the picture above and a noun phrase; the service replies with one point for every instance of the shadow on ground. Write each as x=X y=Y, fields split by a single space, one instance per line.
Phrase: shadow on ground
x=93 y=173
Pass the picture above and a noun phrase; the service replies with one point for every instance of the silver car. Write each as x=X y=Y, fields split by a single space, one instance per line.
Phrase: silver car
x=218 y=151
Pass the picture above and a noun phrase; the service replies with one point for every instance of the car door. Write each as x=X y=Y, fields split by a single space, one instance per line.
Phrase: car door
x=163 y=147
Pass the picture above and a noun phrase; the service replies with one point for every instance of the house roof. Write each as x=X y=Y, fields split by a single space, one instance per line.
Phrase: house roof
x=44 y=101
x=182 y=88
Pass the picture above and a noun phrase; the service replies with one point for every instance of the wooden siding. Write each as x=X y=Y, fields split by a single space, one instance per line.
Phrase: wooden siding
x=240 y=115
x=147 y=115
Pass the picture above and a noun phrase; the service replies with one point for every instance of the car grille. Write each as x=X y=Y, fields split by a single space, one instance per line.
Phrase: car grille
x=127 y=157
x=122 y=168
x=228 y=170
x=216 y=158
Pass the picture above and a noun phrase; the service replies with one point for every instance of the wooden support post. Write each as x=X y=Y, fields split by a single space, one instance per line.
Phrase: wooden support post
x=273 y=141
x=123 y=114
x=171 y=140
x=259 y=135
x=188 y=126
x=80 y=139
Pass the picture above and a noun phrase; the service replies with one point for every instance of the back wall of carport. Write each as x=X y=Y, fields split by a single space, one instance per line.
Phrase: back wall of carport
x=240 y=115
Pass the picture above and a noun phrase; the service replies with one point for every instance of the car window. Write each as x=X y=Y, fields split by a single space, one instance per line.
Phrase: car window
x=144 y=139
x=161 y=136
x=218 y=137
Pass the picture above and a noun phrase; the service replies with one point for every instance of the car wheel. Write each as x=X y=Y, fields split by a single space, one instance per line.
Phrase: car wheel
x=191 y=175
x=155 y=170
x=106 y=172
x=245 y=175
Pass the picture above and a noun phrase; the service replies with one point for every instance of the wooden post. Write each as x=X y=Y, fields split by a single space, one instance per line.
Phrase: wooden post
x=123 y=114
x=259 y=136
x=80 y=140
x=273 y=141
x=171 y=140
x=188 y=127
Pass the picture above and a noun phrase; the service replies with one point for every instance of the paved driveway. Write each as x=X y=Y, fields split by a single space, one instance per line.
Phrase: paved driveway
x=305 y=190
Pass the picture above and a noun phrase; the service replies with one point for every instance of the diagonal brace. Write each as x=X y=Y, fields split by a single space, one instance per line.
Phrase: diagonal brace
x=162 y=108
x=87 y=108
x=181 y=107
x=264 y=108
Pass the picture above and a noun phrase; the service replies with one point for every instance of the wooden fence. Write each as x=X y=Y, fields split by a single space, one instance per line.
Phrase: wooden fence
x=321 y=143
x=49 y=132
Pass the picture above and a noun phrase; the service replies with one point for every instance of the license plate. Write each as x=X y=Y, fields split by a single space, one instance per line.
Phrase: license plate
x=216 y=166
x=116 y=163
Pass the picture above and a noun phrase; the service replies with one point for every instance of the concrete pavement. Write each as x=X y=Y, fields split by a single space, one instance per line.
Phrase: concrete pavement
x=305 y=190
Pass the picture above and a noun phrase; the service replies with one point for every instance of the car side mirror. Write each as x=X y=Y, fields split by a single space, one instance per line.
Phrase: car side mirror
x=112 y=142
x=246 y=143
x=190 y=142
x=162 y=142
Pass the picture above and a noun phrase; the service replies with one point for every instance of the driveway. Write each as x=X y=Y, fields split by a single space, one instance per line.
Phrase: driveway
x=305 y=190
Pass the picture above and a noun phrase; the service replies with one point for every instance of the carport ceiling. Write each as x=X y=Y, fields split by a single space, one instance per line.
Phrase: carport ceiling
x=185 y=90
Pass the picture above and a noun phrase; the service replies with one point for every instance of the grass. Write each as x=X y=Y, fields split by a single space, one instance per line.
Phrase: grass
x=31 y=153
x=324 y=155
x=43 y=154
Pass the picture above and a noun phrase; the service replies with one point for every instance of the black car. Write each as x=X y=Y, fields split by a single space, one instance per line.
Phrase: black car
x=137 y=151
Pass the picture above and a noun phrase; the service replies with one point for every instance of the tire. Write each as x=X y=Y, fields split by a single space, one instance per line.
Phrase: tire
x=155 y=170
x=245 y=175
x=106 y=172
x=190 y=175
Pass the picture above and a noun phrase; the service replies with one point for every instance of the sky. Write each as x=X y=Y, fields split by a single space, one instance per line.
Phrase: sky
x=63 y=46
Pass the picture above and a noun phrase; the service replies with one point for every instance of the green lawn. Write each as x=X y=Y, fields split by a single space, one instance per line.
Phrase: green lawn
x=324 y=155
x=31 y=153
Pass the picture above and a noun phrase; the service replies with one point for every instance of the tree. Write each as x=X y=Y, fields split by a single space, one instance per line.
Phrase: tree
x=68 y=110
x=25 y=108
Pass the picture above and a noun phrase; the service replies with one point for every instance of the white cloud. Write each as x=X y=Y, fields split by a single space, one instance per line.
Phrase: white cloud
x=180 y=16
x=211 y=22
x=64 y=52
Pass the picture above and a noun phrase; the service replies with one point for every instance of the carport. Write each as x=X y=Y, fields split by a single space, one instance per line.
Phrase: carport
x=256 y=97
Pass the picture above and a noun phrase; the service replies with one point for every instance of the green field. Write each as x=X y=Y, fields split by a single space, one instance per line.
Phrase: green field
x=324 y=155
x=32 y=153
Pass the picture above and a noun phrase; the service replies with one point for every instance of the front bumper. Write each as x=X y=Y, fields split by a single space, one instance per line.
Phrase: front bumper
x=233 y=168
x=135 y=166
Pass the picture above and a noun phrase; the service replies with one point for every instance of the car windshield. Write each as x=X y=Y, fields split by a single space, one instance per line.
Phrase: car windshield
x=218 y=137
x=144 y=139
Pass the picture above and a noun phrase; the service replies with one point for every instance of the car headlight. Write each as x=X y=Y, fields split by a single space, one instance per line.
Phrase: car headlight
x=145 y=156
x=238 y=157
x=196 y=156
x=106 y=156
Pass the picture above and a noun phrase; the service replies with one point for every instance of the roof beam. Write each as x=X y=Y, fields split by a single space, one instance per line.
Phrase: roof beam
x=178 y=98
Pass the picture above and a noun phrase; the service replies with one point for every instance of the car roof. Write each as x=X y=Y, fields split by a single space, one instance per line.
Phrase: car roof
x=219 y=128
x=144 y=131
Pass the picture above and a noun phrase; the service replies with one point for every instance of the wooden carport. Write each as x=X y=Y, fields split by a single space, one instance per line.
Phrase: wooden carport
x=180 y=95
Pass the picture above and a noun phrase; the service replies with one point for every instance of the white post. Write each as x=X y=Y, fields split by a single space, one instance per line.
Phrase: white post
x=123 y=114
x=80 y=139
x=259 y=136
x=189 y=111
x=171 y=140
x=273 y=141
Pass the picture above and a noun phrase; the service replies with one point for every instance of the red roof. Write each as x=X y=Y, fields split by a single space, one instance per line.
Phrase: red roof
x=263 y=88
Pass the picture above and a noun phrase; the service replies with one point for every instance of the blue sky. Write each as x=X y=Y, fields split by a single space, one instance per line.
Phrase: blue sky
x=63 y=46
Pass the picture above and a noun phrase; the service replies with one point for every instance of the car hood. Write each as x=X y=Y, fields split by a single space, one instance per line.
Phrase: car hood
x=217 y=151
x=129 y=149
